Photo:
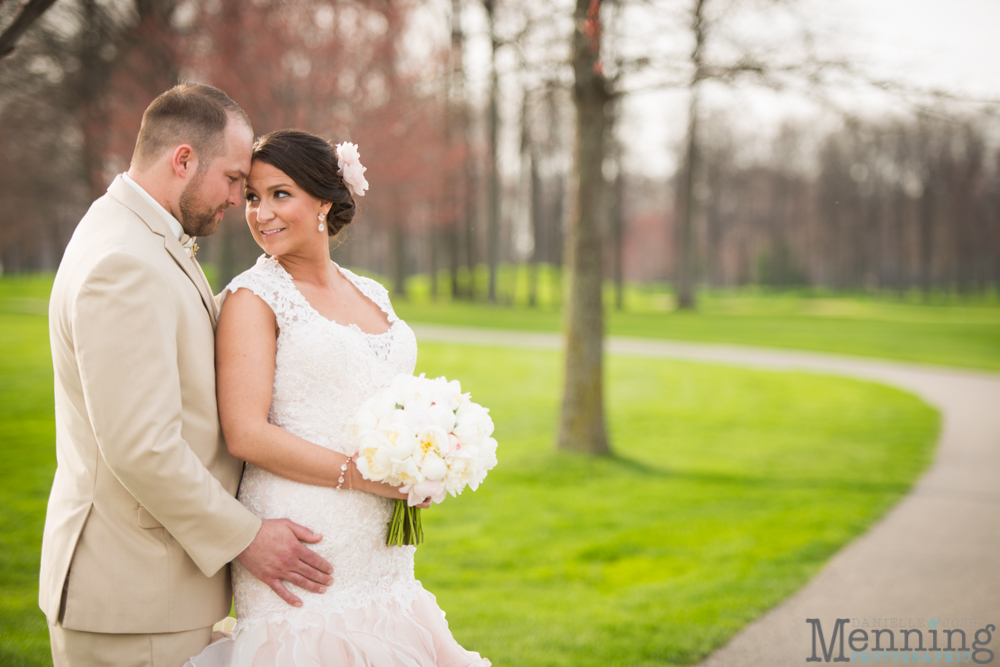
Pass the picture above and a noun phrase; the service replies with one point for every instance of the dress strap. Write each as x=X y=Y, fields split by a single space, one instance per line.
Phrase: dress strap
x=271 y=283
x=374 y=291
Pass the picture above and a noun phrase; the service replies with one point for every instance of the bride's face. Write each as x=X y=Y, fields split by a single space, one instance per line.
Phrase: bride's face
x=283 y=217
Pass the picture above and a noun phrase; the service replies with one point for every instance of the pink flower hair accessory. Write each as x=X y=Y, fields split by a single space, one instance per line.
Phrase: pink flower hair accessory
x=349 y=163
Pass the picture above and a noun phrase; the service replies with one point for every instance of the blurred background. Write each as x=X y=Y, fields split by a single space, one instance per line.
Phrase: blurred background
x=798 y=174
x=848 y=146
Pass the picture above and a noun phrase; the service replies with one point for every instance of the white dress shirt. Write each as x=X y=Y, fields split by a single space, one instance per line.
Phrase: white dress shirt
x=175 y=226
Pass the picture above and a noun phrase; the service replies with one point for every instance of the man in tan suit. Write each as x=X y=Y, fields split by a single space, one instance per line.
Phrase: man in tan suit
x=142 y=521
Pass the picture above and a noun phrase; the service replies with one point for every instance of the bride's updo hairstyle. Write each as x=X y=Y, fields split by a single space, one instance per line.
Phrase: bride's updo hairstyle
x=311 y=162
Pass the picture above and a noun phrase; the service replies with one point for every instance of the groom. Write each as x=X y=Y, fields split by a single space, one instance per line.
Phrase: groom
x=142 y=521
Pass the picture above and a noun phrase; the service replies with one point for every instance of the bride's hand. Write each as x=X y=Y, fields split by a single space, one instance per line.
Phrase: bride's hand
x=386 y=491
x=379 y=488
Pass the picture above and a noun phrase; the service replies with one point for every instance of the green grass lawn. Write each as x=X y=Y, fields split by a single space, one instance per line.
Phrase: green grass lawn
x=945 y=331
x=730 y=488
x=27 y=446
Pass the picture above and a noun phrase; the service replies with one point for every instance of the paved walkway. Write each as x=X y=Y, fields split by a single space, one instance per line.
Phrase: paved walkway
x=936 y=555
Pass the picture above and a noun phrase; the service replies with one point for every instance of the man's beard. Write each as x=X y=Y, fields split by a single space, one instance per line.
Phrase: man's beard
x=195 y=218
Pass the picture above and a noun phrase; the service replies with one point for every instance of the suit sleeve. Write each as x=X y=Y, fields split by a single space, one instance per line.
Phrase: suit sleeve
x=125 y=332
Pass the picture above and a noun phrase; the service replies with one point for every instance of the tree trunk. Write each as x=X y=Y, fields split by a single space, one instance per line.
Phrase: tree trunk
x=456 y=128
x=493 y=218
x=582 y=426
x=537 y=214
x=685 y=265
x=453 y=261
x=926 y=239
x=618 y=234
x=471 y=193
x=398 y=243
x=433 y=240
x=616 y=211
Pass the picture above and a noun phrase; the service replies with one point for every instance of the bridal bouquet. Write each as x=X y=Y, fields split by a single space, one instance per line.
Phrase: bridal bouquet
x=427 y=437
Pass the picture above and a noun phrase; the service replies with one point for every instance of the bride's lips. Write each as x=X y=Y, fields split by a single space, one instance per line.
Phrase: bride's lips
x=271 y=232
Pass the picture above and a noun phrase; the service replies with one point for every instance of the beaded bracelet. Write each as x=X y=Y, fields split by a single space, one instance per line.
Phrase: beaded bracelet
x=343 y=470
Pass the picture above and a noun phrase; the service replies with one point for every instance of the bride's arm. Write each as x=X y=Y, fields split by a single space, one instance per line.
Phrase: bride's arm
x=245 y=346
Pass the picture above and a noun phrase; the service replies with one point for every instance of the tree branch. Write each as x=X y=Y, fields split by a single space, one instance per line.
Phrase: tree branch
x=31 y=11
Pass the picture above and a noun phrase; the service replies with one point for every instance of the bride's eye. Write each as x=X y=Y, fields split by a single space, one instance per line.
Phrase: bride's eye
x=250 y=197
x=281 y=194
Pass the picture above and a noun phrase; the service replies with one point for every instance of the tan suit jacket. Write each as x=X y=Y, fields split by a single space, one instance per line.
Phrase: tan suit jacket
x=142 y=520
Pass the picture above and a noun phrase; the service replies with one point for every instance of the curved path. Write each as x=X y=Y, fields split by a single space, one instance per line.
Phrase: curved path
x=936 y=555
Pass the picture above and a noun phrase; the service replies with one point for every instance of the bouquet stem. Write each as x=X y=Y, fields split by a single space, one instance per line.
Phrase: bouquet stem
x=404 y=526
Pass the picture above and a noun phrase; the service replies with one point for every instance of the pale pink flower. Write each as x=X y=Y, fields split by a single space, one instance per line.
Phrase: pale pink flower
x=349 y=167
x=427 y=489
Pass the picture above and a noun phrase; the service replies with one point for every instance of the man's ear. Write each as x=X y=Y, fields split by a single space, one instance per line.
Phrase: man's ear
x=184 y=161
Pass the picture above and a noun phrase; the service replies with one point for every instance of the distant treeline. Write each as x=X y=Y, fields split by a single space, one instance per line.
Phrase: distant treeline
x=907 y=203
x=872 y=205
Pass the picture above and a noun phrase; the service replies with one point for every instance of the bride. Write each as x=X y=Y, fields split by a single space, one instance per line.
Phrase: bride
x=301 y=343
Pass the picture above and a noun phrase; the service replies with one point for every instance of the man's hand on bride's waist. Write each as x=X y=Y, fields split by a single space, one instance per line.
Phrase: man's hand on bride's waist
x=277 y=553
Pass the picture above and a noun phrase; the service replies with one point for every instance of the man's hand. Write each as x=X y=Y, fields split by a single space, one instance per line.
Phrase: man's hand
x=278 y=553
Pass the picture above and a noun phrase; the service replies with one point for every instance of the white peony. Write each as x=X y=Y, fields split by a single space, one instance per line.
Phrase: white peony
x=400 y=387
x=425 y=436
x=441 y=416
x=433 y=467
x=419 y=398
x=458 y=475
x=426 y=489
x=381 y=404
x=432 y=441
x=489 y=454
x=400 y=440
x=371 y=460
x=405 y=471
x=448 y=393
x=473 y=423
x=364 y=420
x=418 y=419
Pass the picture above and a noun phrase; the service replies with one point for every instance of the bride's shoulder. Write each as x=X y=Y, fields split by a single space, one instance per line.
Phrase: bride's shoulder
x=261 y=279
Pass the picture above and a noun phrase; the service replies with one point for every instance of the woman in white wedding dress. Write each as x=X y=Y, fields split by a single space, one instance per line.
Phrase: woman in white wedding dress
x=301 y=343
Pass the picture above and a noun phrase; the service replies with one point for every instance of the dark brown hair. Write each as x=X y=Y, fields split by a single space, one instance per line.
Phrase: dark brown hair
x=186 y=114
x=311 y=162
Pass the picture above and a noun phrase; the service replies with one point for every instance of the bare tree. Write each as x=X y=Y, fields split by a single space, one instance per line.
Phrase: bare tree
x=64 y=93
x=457 y=123
x=732 y=61
x=582 y=427
x=493 y=172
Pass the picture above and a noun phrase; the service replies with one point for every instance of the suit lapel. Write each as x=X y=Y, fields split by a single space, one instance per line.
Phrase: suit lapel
x=153 y=219
x=194 y=272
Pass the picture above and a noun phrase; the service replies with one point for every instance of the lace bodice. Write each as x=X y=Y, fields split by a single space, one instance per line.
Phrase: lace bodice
x=324 y=370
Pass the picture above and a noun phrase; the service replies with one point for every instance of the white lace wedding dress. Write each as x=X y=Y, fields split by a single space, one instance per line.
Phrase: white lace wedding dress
x=375 y=613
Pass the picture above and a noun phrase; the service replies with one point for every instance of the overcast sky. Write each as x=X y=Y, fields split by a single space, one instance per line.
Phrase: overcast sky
x=945 y=44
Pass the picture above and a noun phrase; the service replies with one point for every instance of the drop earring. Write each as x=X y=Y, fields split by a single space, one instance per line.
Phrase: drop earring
x=322 y=217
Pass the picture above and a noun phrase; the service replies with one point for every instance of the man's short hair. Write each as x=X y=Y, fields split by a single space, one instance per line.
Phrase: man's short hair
x=189 y=113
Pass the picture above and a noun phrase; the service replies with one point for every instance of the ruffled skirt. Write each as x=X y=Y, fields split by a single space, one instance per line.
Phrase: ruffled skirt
x=375 y=636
